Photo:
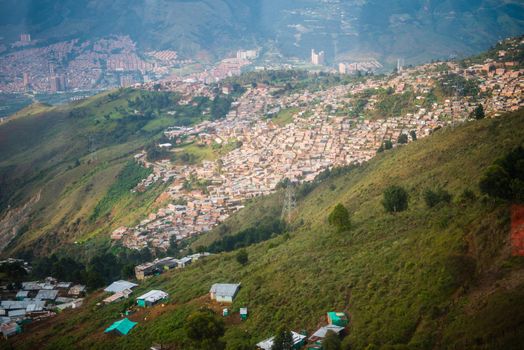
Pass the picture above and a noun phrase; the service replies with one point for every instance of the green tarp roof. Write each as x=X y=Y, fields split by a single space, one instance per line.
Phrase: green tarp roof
x=123 y=326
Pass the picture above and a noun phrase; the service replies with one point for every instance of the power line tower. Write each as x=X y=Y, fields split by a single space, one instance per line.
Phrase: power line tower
x=290 y=203
x=93 y=147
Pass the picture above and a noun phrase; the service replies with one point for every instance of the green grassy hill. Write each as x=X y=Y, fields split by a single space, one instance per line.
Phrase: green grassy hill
x=438 y=277
x=63 y=161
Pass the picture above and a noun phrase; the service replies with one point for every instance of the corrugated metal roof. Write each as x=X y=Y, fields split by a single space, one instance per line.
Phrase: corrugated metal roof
x=225 y=289
x=153 y=295
x=119 y=286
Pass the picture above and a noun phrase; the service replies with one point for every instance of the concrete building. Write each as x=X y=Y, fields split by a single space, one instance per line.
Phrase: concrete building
x=224 y=292
x=317 y=59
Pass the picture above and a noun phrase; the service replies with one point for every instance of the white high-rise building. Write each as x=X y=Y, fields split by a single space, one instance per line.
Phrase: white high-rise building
x=317 y=59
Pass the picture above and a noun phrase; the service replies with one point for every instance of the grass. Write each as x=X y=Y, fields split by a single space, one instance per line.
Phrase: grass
x=72 y=155
x=285 y=116
x=425 y=278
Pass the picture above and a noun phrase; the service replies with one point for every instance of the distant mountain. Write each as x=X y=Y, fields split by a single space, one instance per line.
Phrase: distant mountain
x=415 y=30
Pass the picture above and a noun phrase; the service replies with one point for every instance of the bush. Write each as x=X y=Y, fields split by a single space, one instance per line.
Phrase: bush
x=331 y=341
x=283 y=340
x=395 y=199
x=339 y=218
x=433 y=198
x=402 y=139
x=242 y=257
x=204 y=330
x=505 y=178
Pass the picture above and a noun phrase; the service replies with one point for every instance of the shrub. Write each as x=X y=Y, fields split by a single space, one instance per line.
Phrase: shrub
x=433 y=198
x=283 y=340
x=339 y=218
x=402 y=139
x=204 y=330
x=505 y=178
x=395 y=199
x=242 y=257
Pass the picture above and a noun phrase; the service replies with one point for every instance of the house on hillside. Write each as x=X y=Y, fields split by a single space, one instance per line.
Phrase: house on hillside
x=117 y=296
x=299 y=341
x=224 y=292
x=151 y=298
x=123 y=327
x=9 y=329
x=77 y=290
x=337 y=318
x=120 y=286
x=320 y=334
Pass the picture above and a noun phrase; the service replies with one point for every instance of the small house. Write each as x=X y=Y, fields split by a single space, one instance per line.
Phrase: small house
x=123 y=326
x=243 y=313
x=119 y=286
x=9 y=329
x=151 y=298
x=225 y=312
x=117 y=296
x=77 y=290
x=337 y=318
x=224 y=292
x=320 y=334
x=299 y=341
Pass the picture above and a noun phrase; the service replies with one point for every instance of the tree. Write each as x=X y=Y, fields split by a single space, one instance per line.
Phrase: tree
x=331 y=341
x=339 y=217
x=204 y=330
x=283 y=340
x=238 y=340
x=395 y=199
x=388 y=144
x=413 y=135
x=402 y=139
x=478 y=113
x=496 y=182
x=242 y=257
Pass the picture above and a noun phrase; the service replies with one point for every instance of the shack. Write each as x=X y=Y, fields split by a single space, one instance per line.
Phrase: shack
x=320 y=334
x=124 y=326
x=224 y=292
x=119 y=286
x=151 y=298
x=337 y=318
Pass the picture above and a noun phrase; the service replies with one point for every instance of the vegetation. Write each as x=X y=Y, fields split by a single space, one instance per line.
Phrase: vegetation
x=395 y=199
x=339 y=218
x=204 y=330
x=127 y=179
x=456 y=85
x=402 y=139
x=283 y=340
x=423 y=278
x=505 y=178
x=478 y=112
x=242 y=257
x=331 y=341
x=433 y=198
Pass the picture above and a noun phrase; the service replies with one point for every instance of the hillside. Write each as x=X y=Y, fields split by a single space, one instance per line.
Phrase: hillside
x=58 y=163
x=417 y=30
x=438 y=277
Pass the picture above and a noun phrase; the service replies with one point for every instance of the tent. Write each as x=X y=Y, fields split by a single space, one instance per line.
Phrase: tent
x=123 y=326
